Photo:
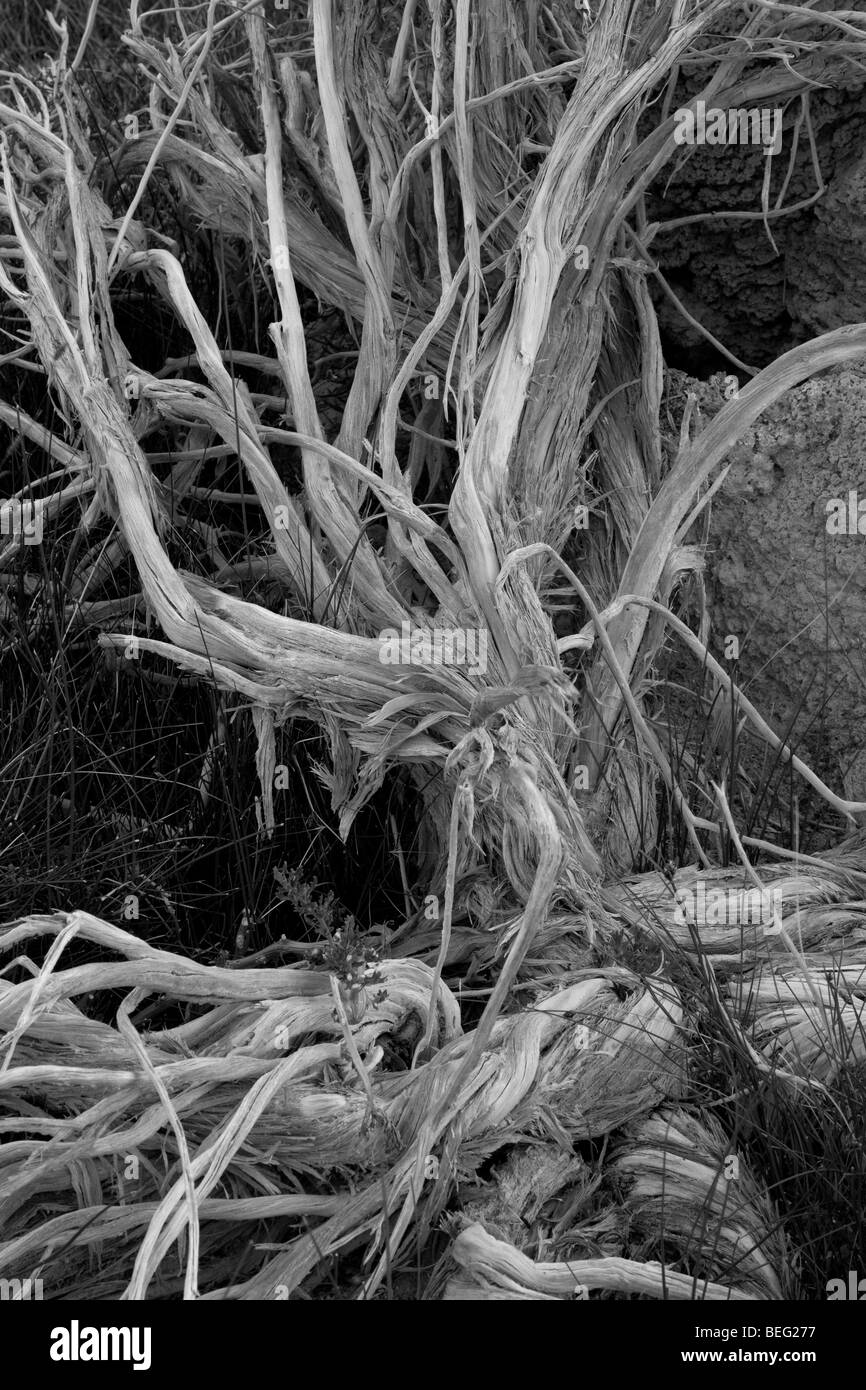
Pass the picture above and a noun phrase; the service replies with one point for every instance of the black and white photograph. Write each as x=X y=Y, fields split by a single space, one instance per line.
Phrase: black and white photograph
x=432 y=672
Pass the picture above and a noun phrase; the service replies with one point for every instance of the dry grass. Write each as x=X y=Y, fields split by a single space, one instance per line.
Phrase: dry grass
x=440 y=201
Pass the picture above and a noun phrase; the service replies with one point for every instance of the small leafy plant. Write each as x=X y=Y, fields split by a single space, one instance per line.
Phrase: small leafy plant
x=345 y=950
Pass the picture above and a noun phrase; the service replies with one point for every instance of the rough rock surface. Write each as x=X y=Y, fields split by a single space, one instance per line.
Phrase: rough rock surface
x=793 y=593
x=827 y=261
x=761 y=294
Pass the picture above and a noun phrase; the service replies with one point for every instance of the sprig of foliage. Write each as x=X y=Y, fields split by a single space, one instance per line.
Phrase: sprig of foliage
x=345 y=950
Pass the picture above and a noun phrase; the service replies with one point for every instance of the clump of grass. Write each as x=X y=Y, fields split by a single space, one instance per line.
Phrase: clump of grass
x=241 y=529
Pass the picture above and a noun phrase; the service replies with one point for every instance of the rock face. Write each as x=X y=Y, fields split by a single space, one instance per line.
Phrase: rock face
x=761 y=287
x=787 y=575
x=790 y=587
x=827 y=261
